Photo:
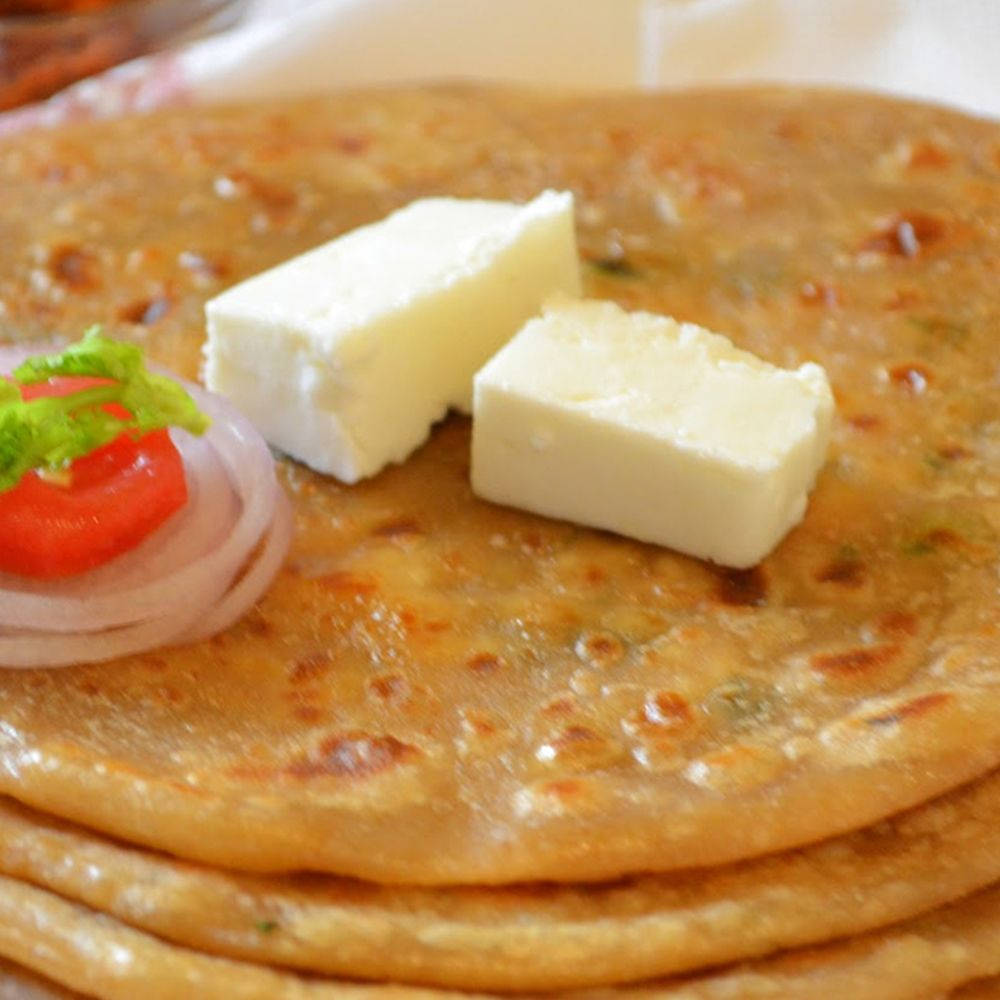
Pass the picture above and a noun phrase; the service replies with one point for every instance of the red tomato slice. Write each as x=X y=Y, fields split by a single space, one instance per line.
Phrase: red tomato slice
x=116 y=496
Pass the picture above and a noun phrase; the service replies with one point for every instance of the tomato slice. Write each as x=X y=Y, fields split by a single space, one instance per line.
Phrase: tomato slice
x=114 y=498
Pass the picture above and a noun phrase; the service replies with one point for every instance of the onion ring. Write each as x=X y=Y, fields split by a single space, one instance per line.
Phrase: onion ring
x=194 y=576
x=254 y=581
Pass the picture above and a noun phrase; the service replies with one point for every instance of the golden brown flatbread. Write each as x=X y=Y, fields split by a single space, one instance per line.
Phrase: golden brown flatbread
x=438 y=690
x=910 y=961
x=17 y=983
x=981 y=989
x=525 y=937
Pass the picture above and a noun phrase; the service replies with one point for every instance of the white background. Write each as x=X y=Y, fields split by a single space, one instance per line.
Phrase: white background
x=945 y=50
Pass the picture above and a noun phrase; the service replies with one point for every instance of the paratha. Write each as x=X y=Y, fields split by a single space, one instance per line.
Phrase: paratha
x=910 y=961
x=17 y=983
x=525 y=937
x=437 y=690
x=980 y=989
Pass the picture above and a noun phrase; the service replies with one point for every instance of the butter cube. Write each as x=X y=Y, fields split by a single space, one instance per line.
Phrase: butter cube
x=649 y=428
x=345 y=356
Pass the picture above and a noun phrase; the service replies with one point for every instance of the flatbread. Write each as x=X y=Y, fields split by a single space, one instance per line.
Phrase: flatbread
x=437 y=690
x=917 y=959
x=981 y=989
x=527 y=937
x=17 y=983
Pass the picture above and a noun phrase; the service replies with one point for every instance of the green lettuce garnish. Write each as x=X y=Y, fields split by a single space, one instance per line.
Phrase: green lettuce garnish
x=49 y=433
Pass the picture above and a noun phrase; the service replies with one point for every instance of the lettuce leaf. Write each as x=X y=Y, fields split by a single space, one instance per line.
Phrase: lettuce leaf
x=51 y=432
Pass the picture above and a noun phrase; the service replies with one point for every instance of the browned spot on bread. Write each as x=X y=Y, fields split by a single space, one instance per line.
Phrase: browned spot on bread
x=310 y=714
x=595 y=575
x=954 y=452
x=484 y=663
x=929 y=155
x=935 y=539
x=565 y=705
x=848 y=571
x=145 y=312
x=599 y=648
x=353 y=755
x=579 y=748
x=353 y=144
x=686 y=634
x=389 y=688
x=73 y=268
x=789 y=129
x=410 y=619
x=256 y=624
x=667 y=710
x=865 y=422
x=574 y=736
x=400 y=527
x=564 y=789
x=622 y=140
x=305 y=694
x=479 y=724
x=532 y=541
x=308 y=668
x=716 y=183
x=907 y=234
x=171 y=695
x=349 y=583
x=854 y=661
x=912 y=709
x=275 y=199
x=614 y=262
x=898 y=623
x=664 y=722
x=742 y=587
x=942 y=536
x=912 y=376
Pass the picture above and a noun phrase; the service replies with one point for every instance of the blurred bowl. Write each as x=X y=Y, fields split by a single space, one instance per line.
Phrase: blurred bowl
x=47 y=44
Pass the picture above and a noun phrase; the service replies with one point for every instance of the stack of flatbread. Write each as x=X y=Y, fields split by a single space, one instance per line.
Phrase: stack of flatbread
x=459 y=747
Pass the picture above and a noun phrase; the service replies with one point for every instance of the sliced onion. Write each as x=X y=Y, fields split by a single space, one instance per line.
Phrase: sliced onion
x=254 y=581
x=194 y=576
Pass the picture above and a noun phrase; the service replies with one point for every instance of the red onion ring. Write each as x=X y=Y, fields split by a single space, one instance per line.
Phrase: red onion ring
x=194 y=576
x=256 y=578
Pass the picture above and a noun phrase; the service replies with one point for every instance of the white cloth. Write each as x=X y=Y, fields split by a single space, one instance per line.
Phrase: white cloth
x=941 y=50
x=944 y=50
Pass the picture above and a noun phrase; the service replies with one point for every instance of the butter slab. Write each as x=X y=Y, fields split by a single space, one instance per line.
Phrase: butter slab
x=345 y=356
x=650 y=428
